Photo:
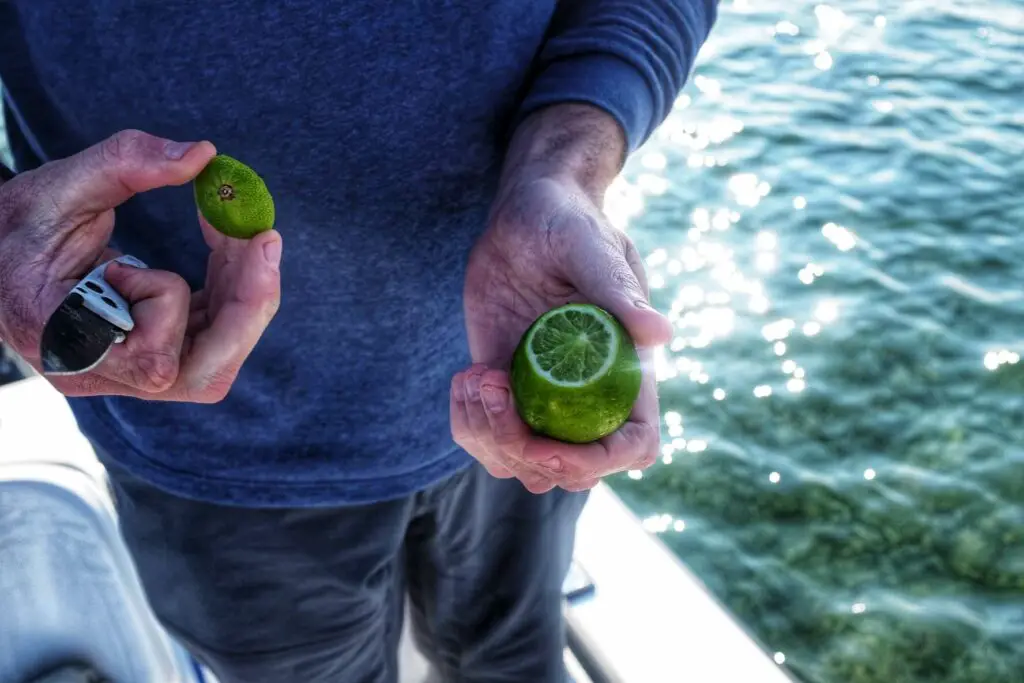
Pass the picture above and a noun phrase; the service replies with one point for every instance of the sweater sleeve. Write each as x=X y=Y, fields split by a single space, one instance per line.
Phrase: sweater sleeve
x=628 y=57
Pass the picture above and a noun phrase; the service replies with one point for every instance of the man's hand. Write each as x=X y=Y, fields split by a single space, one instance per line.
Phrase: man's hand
x=548 y=244
x=55 y=224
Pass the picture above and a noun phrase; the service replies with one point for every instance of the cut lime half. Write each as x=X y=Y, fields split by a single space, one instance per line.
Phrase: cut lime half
x=575 y=374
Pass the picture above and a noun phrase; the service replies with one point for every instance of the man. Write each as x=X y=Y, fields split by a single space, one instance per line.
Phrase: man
x=300 y=436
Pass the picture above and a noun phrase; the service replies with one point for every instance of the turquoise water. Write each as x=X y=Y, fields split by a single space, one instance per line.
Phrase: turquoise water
x=833 y=215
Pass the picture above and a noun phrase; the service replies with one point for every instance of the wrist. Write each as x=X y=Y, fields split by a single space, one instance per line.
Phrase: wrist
x=577 y=143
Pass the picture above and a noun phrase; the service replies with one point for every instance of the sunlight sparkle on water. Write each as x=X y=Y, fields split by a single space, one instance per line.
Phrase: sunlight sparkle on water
x=815 y=46
x=788 y=366
x=823 y=61
x=636 y=474
x=809 y=272
x=656 y=161
x=652 y=184
x=719 y=298
x=708 y=86
x=827 y=311
x=799 y=373
x=758 y=304
x=779 y=329
x=722 y=220
x=719 y=394
x=873 y=80
x=748 y=189
x=880 y=21
x=799 y=203
x=787 y=28
x=869 y=474
x=812 y=328
x=659 y=524
x=858 y=608
x=883 y=106
x=775 y=477
x=779 y=348
x=779 y=658
x=765 y=262
x=623 y=202
x=766 y=239
x=796 y=385
x=832 y=22
x=843 y=238
x=657 y=257
x=993 y=359
x=762 y=391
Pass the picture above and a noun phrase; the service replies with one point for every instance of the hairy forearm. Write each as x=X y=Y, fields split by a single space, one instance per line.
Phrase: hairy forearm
x=578 y=143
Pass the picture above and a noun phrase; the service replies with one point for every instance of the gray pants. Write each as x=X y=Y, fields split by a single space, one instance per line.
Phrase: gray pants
x=317 y=595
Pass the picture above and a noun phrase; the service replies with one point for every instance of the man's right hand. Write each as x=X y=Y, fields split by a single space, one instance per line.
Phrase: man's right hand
x=55 y=224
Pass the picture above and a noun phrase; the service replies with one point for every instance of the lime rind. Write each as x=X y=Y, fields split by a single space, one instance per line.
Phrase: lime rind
x=233 y=198
x=583 y=323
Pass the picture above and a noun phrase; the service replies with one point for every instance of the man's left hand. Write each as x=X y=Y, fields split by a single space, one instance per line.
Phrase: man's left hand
x=548 y=244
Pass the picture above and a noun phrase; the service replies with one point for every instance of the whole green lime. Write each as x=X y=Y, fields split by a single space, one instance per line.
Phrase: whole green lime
x=575 y=374
x=233 y=198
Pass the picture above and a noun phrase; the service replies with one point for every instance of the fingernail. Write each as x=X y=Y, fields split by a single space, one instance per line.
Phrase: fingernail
x=554 y=464
x=495 y=399
x=641 y=304
x=272 y=252
x=176 y=150
x=473 y=387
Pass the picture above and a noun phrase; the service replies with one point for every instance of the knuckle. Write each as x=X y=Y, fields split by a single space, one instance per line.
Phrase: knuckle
x=157 y=369
x=177 y=286
x=120 y=145
x=623 y=277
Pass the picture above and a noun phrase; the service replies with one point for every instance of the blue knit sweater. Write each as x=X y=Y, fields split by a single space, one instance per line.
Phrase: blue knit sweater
x=380 y=128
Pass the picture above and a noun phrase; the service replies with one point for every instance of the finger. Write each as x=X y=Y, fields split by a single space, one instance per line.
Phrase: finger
x=510 y=434
x=507 y=428
x=636 y=264
x=198 y=309
x=219 y=242
x=457 y=411
x=250 y=303
x=475 y=414
x=197 y=320
x=149 y=358
x=110 y=172
x=464 y=435
x=604 y=276
x=641 y=435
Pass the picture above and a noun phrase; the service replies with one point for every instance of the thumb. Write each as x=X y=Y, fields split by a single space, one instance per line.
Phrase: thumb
x=110 y=172
x=607 y=277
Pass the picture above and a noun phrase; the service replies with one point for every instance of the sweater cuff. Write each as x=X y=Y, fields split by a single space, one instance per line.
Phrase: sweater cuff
x=604 y=81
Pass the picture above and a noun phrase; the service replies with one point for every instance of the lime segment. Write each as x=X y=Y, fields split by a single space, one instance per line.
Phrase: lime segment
x=572 y=345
